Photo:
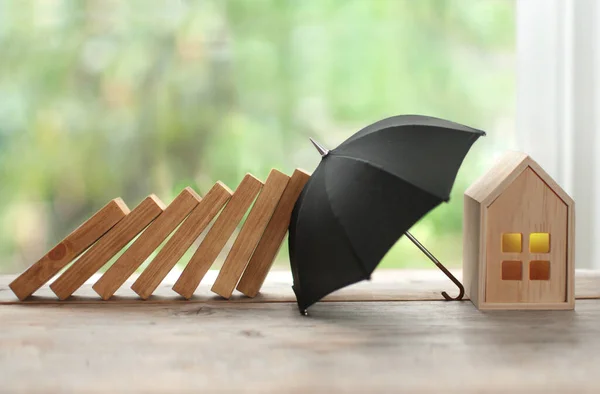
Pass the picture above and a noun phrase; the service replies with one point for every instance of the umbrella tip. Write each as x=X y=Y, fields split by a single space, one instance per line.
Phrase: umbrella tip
x=322 y=151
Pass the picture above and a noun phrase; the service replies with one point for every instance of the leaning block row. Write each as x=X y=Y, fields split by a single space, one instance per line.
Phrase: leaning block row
x=113 y=227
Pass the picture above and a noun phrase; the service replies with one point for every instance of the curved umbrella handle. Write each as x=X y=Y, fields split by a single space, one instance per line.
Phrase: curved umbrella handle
x=427 y=253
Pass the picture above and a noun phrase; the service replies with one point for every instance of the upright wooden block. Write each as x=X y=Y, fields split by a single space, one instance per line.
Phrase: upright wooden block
x=181 y=241
x=69 y=249
x=253 y=229
x=218 y=236
x=147 y=243
x=256 y=272
x=109 y=245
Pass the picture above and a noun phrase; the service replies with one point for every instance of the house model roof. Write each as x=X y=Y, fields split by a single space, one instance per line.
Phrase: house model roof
x=491 y=185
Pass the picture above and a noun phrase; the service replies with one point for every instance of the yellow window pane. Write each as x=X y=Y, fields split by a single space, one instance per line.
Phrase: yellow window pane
x=512 y=243
x=539 y=243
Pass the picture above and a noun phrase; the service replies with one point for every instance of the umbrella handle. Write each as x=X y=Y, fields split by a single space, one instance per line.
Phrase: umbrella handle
x=441 y=267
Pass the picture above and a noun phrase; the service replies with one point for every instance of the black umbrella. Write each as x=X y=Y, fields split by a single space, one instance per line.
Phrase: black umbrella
x=366 y=194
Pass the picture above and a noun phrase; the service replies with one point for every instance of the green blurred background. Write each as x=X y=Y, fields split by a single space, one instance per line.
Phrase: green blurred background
x=100 y=99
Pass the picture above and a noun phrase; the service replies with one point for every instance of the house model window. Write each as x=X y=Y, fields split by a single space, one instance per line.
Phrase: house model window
x=512 y=270
x=539 y=270
x=539 y=243
x=512 y=243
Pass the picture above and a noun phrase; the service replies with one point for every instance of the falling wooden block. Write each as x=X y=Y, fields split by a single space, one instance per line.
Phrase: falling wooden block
x=108 y=246
x=69 y=249
x=253 y=229
x=181 y=241
x=218 y=236
x=147 y=243
x=272 y=239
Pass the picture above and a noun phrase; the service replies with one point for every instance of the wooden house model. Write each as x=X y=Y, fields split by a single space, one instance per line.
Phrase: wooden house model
x=519 y=238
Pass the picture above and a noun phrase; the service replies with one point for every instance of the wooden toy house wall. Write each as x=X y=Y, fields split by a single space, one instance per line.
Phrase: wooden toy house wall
x=518 y=238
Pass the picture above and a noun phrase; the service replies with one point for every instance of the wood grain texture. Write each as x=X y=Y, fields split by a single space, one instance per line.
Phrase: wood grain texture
x=488 y=187
x=527 y=206
x=218 y=236
x=571 y=256
x=147 y=243
x=181 y=241
x=471 y=256
x=107 y=247
x=556 y=188
x=250 y=235
x=266 y=251
x=488 y=192
x=69 y=249
x=389 y=347
x=386 y=285
x=522 y=306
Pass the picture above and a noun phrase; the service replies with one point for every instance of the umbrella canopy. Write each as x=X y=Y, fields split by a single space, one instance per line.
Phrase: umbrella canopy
x=366 y=194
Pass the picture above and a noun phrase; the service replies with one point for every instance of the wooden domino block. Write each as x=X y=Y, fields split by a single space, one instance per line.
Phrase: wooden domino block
x=253 y=229
x=147 y=243
x=181 y=241
x=218 y=236
x=108 y=246
x=263 y=257
x=69 y=249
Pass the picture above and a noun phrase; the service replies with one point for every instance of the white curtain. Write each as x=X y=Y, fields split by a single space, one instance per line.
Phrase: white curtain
x=558 y=104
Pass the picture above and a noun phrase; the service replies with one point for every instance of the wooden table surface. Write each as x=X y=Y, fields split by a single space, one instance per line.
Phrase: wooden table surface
x=364 y=339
